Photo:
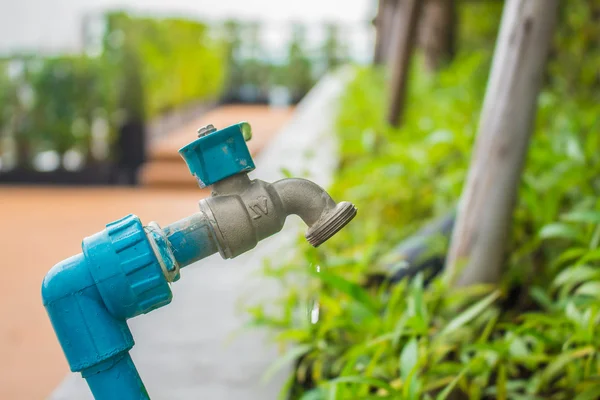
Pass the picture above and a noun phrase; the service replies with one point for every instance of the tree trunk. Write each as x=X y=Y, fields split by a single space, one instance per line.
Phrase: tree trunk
x=437 y=33
x=404 y=31
x=485 y=210
x=384 y=22
x=378 y=23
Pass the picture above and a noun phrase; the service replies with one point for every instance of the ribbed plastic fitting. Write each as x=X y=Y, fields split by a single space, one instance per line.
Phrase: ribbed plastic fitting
x=126 y=270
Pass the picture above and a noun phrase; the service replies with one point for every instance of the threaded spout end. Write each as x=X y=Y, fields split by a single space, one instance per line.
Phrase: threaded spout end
x=331 y=223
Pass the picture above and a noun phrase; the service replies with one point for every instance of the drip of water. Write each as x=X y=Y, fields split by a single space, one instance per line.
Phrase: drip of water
x=314 y=307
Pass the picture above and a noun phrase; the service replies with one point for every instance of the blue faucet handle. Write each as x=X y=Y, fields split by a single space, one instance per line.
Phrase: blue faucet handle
x=219 y=154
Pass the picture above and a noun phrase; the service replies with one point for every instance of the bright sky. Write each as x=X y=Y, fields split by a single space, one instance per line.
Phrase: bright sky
x=55 y=25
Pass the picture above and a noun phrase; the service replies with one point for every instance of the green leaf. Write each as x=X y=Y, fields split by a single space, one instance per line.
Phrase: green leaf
x=573 y=313
x=517 y=347
x=446 y=392
x=576 y=274
x=595 y=238
x=569 y=255
x=399 y=330
x=286 y=173
x=364 y=380
x=409 y=358
x=353 y=290
x=314 y=394
x=559 y=231
x=560 y=362
x=489 y=327
x=287 y=386
x=541 y=297
x=592 y=255
x=591 y=393
x=589 y=289
x=416 y=305
x=588 y=216
x=332 y=392
x=471 y=313
x=412 y=385
x=285 y=360
x=501 y=383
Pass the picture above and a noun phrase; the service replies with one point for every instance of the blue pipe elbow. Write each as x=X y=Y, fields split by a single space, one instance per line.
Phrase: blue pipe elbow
x=86 y=330
x=90 y=296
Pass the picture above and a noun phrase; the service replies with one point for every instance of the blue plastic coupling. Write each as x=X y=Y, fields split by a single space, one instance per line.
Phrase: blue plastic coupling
x=90 y=296
x=219 y=154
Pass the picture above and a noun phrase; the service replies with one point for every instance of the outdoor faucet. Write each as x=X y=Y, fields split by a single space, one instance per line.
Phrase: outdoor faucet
x=126 y=269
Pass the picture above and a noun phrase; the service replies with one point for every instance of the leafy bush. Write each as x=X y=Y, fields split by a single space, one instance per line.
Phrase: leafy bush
x=6 y=90
x=175 y=60
x=51 y=103
x=535 y=336
x=69 y=92
x=148 y=66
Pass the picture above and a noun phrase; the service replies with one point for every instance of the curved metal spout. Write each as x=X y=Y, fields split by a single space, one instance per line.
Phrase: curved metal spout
x=304 y=198
x=316 y=208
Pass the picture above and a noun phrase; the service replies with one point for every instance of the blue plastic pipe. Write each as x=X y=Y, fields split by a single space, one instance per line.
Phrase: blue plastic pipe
x=115 y=378
x=191 y=239
x=90 y=296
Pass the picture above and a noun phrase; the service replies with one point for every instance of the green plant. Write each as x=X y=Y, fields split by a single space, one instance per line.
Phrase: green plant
x=164 y=62
x=50 y=103
x=298 y=74
x=334 y=49
x=67 y=93
x=148 y=66
x=5 y=88
x=534 y=337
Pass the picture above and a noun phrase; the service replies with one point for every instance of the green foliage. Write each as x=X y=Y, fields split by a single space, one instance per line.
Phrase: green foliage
x=478 y=24
x=4 y=92
x=298 y=74
x=334 y=49
x=68 y=93
x=7 y=91
x=534 y=337
x=175 y=60
x=51 y=103
x=148 y=66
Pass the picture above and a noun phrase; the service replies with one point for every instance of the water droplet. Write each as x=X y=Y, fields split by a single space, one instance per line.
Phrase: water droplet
x=314 y=306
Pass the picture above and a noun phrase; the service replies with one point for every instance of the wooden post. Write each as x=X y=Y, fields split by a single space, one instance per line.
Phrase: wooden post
x=404 y=31
x=378 y=23
x=437 y=32
x=485 y=211
x=384 y=22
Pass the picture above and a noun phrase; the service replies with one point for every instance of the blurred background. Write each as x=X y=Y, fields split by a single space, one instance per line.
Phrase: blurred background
x=86 y=89
x=380 y=100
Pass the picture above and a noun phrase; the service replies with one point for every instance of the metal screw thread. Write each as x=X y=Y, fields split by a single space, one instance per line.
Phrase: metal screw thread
x=331 y=224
